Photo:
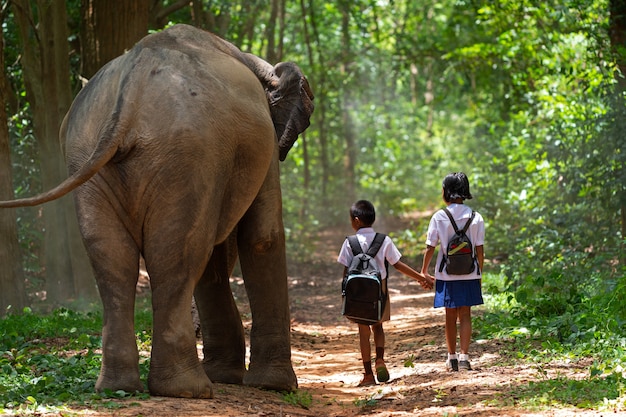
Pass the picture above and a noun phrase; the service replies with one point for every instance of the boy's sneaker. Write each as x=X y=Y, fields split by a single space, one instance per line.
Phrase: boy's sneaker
x=452 y=365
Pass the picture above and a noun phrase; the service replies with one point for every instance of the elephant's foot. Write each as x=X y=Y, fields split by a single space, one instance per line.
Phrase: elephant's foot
x=277 y=377
x=116 y=381
x=223 y=373
x=190 y=384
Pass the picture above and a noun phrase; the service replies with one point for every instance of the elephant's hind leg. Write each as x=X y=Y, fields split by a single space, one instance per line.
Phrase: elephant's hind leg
x=115 y=259
x=175 y=370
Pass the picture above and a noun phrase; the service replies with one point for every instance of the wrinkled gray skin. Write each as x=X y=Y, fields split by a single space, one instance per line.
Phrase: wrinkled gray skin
x=177 y=145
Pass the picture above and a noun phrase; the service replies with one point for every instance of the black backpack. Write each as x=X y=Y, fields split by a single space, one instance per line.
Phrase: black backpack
x=459 y=257
x=363 y=289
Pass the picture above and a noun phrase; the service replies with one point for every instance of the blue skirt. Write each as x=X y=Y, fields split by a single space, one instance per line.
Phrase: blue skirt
x=453 y=294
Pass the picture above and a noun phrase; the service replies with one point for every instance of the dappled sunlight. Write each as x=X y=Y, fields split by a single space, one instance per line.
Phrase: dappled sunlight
x=327 y=360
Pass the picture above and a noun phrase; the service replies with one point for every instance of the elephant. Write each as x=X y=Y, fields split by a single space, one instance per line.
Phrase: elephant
x=173 y=151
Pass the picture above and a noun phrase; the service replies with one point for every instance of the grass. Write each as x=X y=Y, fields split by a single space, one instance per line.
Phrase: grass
x=299 y=398
x=581 y=332
x=52 y=360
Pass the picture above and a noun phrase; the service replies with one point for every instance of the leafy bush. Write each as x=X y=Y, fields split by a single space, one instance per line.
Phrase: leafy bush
x=52 y=359
x=579 y=327
x=300 y=398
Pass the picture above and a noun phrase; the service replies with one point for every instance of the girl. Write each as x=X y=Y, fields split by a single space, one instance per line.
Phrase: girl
x=457 y=293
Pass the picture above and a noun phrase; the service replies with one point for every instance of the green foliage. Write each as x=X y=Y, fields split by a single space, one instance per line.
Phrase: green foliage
x=411 y=240
x=591 y=393
x=410 y=361
x=570 y=333
x=520 y=95
x=369 y=401
x=51 y=360
x=299 y=398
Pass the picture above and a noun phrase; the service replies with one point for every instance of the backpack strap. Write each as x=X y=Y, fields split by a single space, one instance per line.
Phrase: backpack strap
x=376 y=244
x=467 y=225
x=354 y=245
x=456 y=229
x=372 y=250
x=379 y=238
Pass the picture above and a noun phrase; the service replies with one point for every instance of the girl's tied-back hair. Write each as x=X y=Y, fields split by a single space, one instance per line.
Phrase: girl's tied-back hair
x=455 y=186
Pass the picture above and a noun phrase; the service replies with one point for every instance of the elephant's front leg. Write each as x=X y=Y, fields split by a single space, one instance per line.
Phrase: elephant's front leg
x=261 y=242
x=222 y=332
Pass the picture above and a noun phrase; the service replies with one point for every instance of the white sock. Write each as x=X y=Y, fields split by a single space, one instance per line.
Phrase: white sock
x=452 y=356
x=463 y=357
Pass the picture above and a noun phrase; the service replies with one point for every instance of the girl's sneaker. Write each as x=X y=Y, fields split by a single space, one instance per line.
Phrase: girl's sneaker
x=464 y=363
x=452 y=365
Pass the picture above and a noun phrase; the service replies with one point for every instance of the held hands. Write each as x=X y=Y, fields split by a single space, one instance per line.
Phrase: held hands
x=427 y=282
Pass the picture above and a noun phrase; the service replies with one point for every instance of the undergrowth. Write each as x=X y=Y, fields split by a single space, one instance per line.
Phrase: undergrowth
x=53 y=360
x=584 y=334
x=49 y=361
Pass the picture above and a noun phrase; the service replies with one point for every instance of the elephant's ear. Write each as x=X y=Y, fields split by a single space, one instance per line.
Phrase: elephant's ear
x=291 y=104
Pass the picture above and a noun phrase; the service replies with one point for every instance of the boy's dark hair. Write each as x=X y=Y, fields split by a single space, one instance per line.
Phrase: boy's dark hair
x=365 y=211
x=456 y=185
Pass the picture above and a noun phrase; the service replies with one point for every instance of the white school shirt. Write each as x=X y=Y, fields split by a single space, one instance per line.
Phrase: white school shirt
x=440 y=231
x=365 y=235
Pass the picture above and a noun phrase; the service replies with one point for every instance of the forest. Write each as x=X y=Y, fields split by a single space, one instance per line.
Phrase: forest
x=527 y=97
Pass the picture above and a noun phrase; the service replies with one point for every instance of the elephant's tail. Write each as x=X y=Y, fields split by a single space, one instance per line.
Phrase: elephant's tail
x=104 y=152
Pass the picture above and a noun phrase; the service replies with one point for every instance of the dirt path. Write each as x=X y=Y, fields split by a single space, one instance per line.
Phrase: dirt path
x=327 y=361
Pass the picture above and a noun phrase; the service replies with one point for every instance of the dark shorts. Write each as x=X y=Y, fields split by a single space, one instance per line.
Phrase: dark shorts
x=453 y=294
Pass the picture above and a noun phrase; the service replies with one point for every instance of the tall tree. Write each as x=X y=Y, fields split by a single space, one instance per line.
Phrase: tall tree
x=277 y=15
x=45 y=62
x=617 y=33
x=11 y=276
x=107 y=31
x=349 y=133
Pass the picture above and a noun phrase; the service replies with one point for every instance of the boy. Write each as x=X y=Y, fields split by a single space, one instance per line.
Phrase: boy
x=362 y=216
x=457 y=293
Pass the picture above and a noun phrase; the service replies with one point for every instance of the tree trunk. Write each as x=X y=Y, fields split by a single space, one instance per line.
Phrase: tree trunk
x=305 y=149
x=346 y=116
x=277 y=16
x=47 y=82
x=321 y=85
x=12 y=291
x=270 y=32
x=108 y=31
x=617 y=33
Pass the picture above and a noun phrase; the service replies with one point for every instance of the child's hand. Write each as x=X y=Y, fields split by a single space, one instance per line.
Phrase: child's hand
x=425 y=283
x=428 y=282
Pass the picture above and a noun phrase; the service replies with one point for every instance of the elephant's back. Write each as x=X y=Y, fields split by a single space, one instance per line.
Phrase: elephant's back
x=189 y=120
x=196 y=98
x=172 y=86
